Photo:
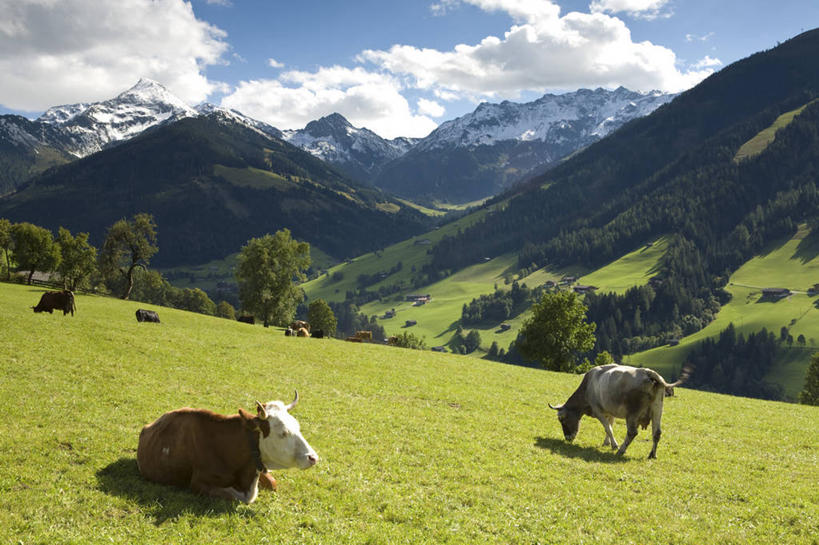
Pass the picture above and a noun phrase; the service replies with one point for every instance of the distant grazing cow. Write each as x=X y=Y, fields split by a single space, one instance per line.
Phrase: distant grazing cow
x=302 y=332
x=56 y=300
x=143 y=315
x=246 y=319
x=618 y=391
x=318 y=333
x=354 y=339
x=289 y=332
x=223 y=456
x=298 y=324
x=364 y=335
x=392 y=341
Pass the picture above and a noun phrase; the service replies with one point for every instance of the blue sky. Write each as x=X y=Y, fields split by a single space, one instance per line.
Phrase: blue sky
x=398 y=67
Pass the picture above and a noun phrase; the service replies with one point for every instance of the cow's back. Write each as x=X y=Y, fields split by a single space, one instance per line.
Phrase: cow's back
x=167 y=447
x=619 y=390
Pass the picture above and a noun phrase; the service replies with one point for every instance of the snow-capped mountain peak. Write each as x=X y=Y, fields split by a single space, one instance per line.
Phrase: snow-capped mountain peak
x=88 y=128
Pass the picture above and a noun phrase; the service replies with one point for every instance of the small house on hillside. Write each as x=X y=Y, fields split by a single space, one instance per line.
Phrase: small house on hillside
x=581 y=289
x=505 y=327
x=775 y=293
x=439 y=348
x=410 y=323
x=414 y=298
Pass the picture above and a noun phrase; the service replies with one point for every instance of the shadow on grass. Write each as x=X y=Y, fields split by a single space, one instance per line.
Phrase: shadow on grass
x=570 y=450
x=808 y=247
x=161 y=502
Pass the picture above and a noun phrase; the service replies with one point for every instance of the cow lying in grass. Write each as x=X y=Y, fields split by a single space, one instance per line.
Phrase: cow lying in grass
x=618 y=391
x=223 y=456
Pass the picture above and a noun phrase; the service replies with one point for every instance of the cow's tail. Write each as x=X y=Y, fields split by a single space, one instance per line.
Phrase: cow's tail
x=686 y=372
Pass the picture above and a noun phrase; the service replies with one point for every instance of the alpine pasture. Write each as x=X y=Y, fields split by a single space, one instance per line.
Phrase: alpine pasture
x=415 y=447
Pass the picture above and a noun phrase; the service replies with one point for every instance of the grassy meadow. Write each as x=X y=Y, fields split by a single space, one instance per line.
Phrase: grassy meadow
x=415 y=447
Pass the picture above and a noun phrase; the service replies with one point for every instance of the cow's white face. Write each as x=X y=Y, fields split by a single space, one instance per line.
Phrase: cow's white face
x=284 y=447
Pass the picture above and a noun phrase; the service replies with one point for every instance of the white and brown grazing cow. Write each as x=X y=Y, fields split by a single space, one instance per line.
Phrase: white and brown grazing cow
x=223 y=456
x=618 y=391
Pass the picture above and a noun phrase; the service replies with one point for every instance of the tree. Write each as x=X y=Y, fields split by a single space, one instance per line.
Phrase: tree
x=34 y=248
x=810 y=392
x=409 y=340
x=5 y=243
x=266 y=272
x=129 y=245
x=225 y=310
x=79 y=259
x=472 y=341
x=557 y=332
x=321 y=316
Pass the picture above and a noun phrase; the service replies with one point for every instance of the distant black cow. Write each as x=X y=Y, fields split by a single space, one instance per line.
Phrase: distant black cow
x=247 y=319
x=56 y=300
x=318 y=333
x=289 y=332
x=143 y=315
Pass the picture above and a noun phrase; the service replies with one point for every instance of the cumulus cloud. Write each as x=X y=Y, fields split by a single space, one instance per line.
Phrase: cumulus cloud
x=367 y=99
x=707 y=62
x=64 y=51
x=273 y=63
x=542 y=51
x=698 y=38
x=430 y=108
x=645 y=9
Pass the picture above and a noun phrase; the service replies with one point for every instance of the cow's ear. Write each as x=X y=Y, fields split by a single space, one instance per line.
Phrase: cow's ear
x=247 y=418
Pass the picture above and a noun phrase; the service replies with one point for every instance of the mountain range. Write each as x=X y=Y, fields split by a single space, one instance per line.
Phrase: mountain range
x=473 y=156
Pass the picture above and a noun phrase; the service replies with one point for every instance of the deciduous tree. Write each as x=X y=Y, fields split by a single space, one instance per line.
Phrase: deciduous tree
x=79 y=258
x=267 y=271
x=34 y=248
x=321 y=316
x=557 y=332
x=5 y=243
x=129 y=245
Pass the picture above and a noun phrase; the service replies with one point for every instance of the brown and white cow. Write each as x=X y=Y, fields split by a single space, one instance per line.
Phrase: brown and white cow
x=56 y=300
x=618 y=391
x=223 y=456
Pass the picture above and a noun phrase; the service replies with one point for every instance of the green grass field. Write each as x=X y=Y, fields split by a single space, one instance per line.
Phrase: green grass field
x=415 y=447
x=763 y=138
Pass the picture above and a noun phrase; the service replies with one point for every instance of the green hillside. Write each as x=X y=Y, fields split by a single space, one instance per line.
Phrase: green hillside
x=763 y=138
x=791 y=264
x=414 y=447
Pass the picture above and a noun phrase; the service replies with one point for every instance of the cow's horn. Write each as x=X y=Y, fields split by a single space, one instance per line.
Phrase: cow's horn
x=293 y=403
x=261 y=412
x=555 y=408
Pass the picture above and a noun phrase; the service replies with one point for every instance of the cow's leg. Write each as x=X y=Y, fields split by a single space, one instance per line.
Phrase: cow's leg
x=656 y=431
x=631 y=433
x=607 y=422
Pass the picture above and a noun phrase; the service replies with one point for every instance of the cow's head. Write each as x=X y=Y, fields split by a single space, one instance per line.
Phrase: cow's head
x=281 y=443
x=569 y=419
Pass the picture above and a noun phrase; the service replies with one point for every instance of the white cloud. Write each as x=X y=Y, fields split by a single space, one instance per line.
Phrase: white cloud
x=273 y=63
x=707 y=62
x=64 y=51
x=366 y=99
x=645 y=9
x=698 y=38
x=542 y=51
x=430 y=108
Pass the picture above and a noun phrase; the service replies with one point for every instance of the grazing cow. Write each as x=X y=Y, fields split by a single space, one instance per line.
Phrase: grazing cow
x=355 y=339
x=298 y=324
x=392 y=341
x=223 y=456
x=364 y=335
x=143 y=315
x=289 y=332
x=618 y=391
x=302 y=332
x=56 y=300
x=318 y=333
x=246 y=319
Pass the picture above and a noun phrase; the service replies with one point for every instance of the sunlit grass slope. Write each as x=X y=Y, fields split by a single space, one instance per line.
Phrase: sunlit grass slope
x=791 y=264
x=763 y=139
x=415 y=447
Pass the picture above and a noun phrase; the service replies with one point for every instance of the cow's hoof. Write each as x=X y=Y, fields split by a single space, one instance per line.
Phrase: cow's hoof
x=652 y=456
x=266 y=481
